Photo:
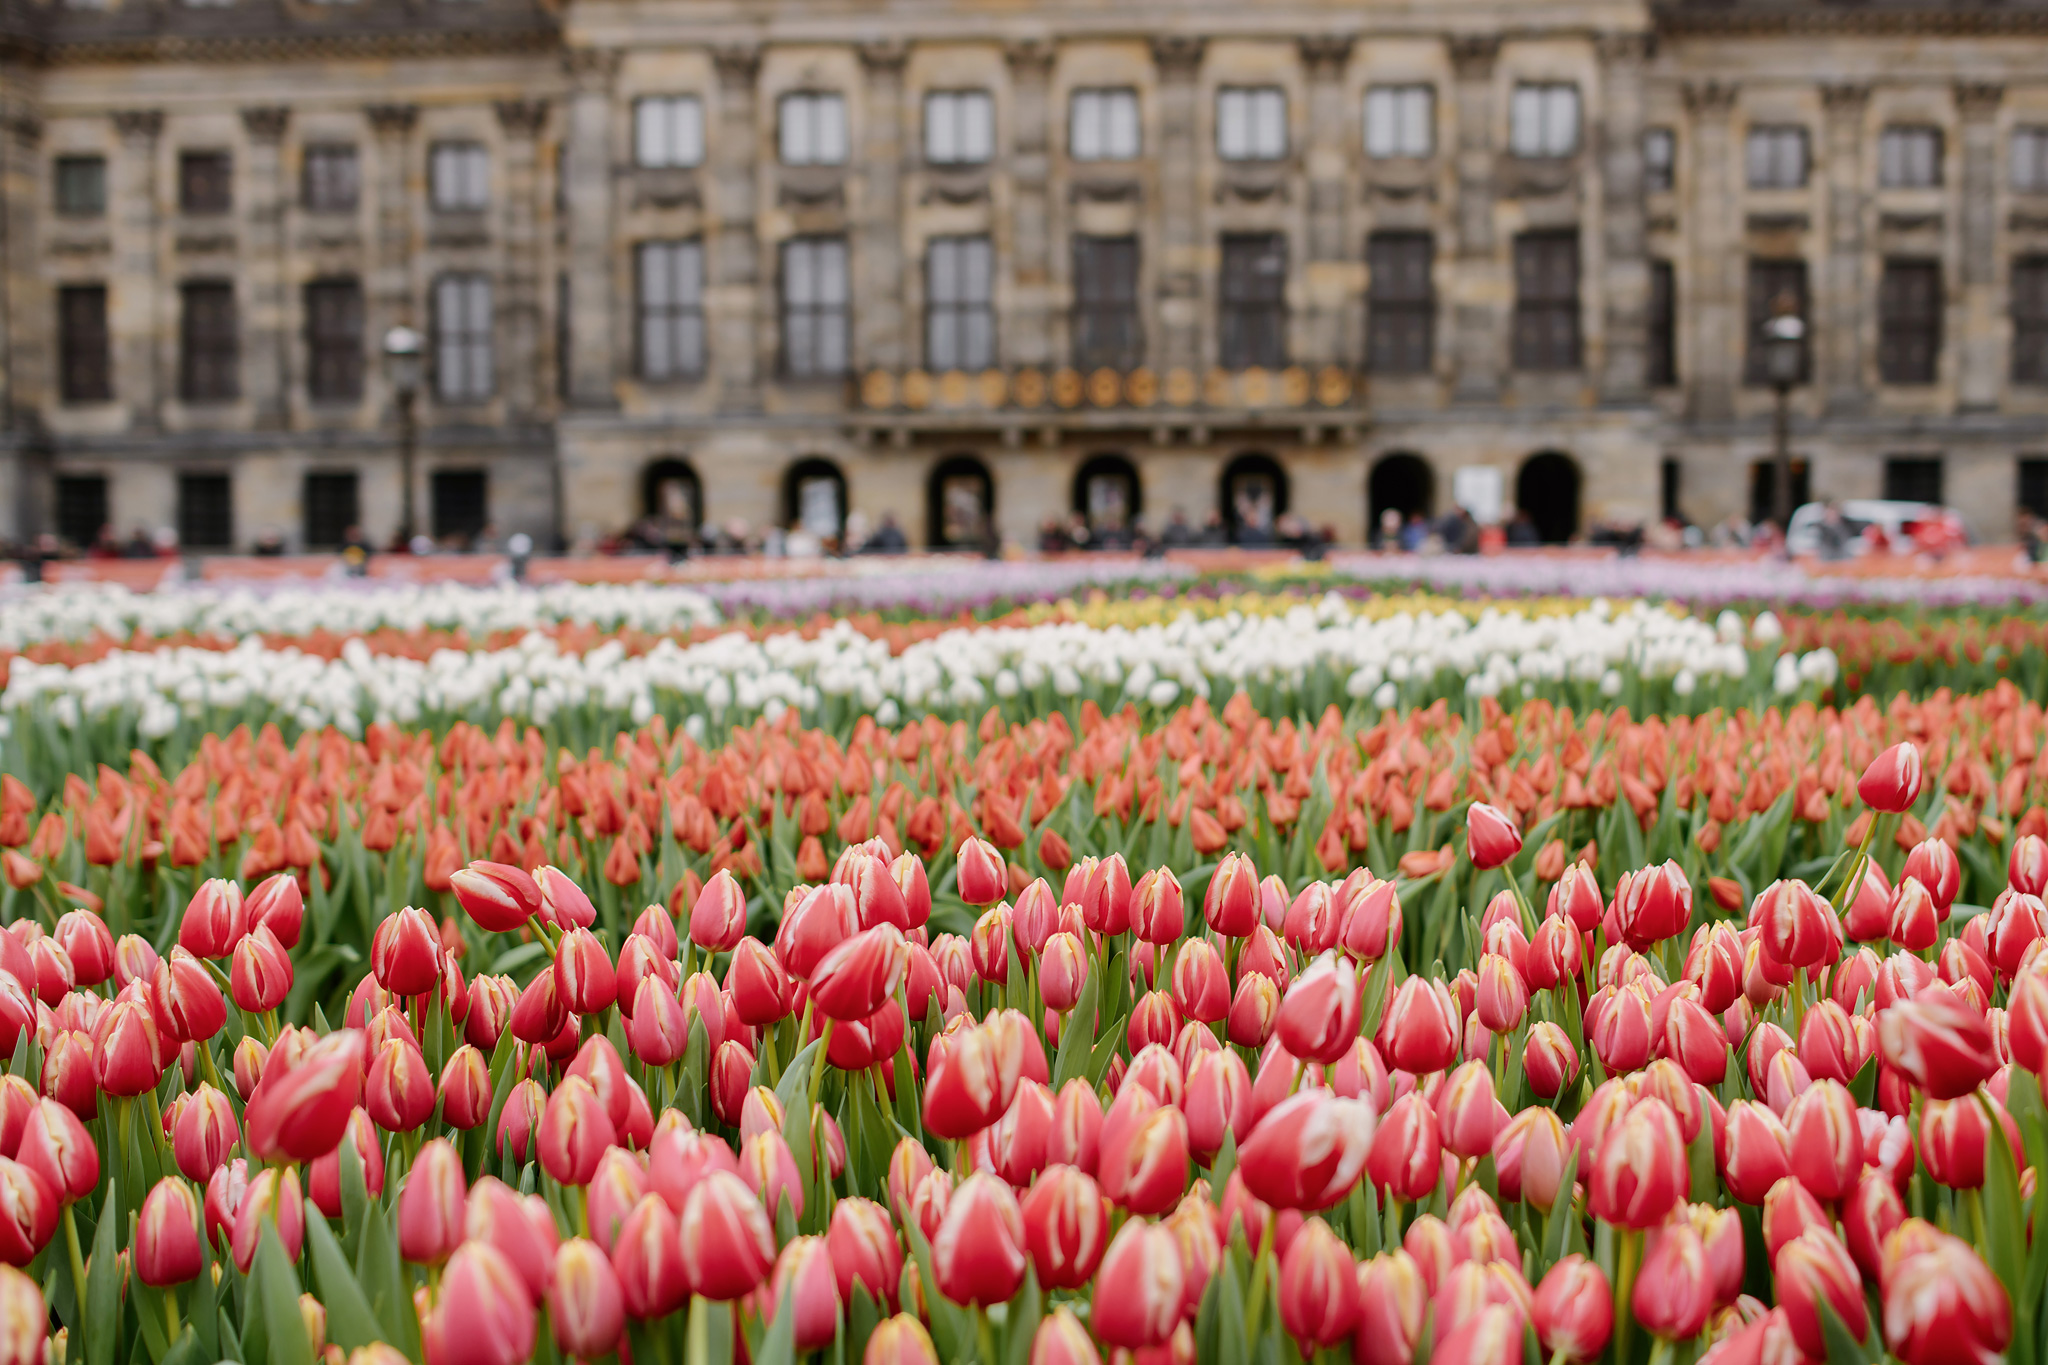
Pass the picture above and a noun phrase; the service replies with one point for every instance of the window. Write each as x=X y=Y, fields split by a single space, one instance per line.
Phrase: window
x=460 y=502
x=84 y=375
x=671 y=310
x=959 y=127
x=330 y=508
x=333 y=178
x=210 y=351
x=1400 y=120
x=206 y=512
x=2030 y=160
x=1660 y=160
x=1671 y=475
x=1909 y=158
x=2033 y=486
x=1543 y=120
x=1400 y=313
x=1102 y=125
x=1913 y=478
x=1546 y=301
x=2030 y=320
x=334 y=340
x=1251 y=124
x=459 y=176
x=81 y=186
x=959 y=319
x=1769 y=282
x=81 y=508
x=814 y=307
x=463 y=360
x=1106 y=327
x=205 y=182
x=668 y=130
x=813 y=126
x=1775 y=158
x=1254 y=330
x=1909 y=322
x=1660 y=345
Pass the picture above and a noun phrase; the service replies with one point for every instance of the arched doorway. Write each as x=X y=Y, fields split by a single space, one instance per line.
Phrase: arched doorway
x=1547 y=492
x=671 y=505
x=1252 y=497
x=960 y=504
x=1109 y=498
x=1400 y=482
x=814 y=499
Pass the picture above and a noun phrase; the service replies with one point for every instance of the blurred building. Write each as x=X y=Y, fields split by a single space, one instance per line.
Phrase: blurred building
x=980 y=263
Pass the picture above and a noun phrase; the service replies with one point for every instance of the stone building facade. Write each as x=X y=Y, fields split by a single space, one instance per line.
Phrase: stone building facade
x=976 y=264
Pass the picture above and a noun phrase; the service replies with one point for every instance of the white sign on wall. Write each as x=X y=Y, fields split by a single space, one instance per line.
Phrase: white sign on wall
x=1478 y=489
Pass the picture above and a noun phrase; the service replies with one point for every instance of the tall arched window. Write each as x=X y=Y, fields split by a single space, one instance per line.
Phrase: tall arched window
x=960 y=504
x=1253 y=497
x=1402 y=483
x=814 y=498
x=1547 y=492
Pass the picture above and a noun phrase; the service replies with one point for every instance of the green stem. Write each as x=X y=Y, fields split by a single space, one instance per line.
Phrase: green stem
x=1624 y=1284
x=985 y=1336
x=77 y=1267
x=1255 y=1301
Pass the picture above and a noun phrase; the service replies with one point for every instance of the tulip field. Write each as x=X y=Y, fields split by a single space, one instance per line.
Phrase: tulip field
x=1062 y=971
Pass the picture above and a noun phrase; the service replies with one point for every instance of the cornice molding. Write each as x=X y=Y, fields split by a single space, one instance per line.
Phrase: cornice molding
x=1861 y=20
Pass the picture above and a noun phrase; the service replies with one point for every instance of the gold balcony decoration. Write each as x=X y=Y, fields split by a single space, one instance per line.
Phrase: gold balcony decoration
x=1255 y=386
x=878 y=389
x=917 y=390
x=953 y=389
x=1066 y=387
x=1105 y=387
x=993 y=386
x=1216 y=389
x=1029 y=388
x=1294 y=387
x=1181 y=388
x=1333 y=387
x=1141 y=388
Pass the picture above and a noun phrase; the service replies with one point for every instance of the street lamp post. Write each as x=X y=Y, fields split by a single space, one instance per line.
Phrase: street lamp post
x=1785 y=359
x=402 y=365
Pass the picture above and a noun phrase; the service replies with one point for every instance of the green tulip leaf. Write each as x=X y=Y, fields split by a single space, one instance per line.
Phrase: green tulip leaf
x=351 y=1322
x=102 y=1318
x=779 y=1346
x=284 y=1327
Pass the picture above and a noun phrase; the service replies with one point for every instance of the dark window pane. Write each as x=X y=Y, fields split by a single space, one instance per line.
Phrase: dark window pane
x=2030 y=320
x=1909 y=322
x=211 y=352
x=671 y=301
x=334 y=340
x=1769 y=281
x=1107 y=328
x=1913 y=478
x=1254 y=322
x=1546 y=333
x=206 y=512
x=333 y=180
x=814 y=316
x=330 y=508
x=205 y=182
x=2033 y=486
x=84 y=375
x=1400 y=314
x=959 y=315
x=81 y=508
x=1660 y=343
x=461 y=504
x=81 y=186
x=464 y=366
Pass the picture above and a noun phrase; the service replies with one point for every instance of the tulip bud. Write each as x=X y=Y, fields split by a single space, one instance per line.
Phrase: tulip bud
x=584 y=976
x=1060 y=1340
x=1143 y=1164
x=718 y=919
x=487 y=1306
x=1942 y=1303
x=433 y=1205
x=1254 y=1011
x=1640 y=1171
x=299 y=1113
x=854 y=979
x=1138 y=1290
x=1421 y=1029
x=167 y=1250
x=966 y=1088
x=1231 y=904
x=864 y=1250
x=1467 y=1113
x=214 y=919
x=28 y=1213
x=1318 y=1289
x=1573 y=1310
x=1319 y=1015
x=273 y=1199
x=1405 y=1159
x=498 y=896
x=978 y=1254
x=803 y=1278
x=1392 y=1300
x=1549 y=1059
x=1891 y=784
x=1157 y=916
x=1825 y=1139
x=727 y=1245
x=1529 y=1154
x=1491 y=837
x=1814 y=1268
x=1938 y=1043
x=981 y=876
x=57 y=1147
x=1673 y=1292
x=562 y=902
x=1370 y=922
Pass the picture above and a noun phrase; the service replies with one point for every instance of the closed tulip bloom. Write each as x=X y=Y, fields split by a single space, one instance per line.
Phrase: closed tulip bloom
x=978 y=1254
x=856 y=977
x=57 y=1147
x=1939 y=1044
x=647 y=1260
x=902 y=1340
x=1573 y=1310
x=1467 y=1114
x=1421 y=1029
x=1314 y=920
x=1503 y=997
x=1309 y=1150
x=1318 y=1288
x=465 y=1089
x=1254 y=1011
x=1217 y=1101
x=498 y=896
x=1062 y=1340
x=405 y=952
x=1529 y=1154
x=204 y=1133
x=878 y=897
x=679 y=1159
x=865 y=1251
x=1796 y=926
x=1076 y=1136
x=1694 y=1040
x=167 y=1250
x=1230 y=906
x=1825 y=1139
x=299 y=1113
x=1812 y=1269
x=1933 y=863
x=769 y=1168
x=727 y=1245
x=1640 y=1171
x=433 y=1204
x=967 y=1087
x=1954 y=1140
x=1618 y=1028
x=1139 y=1288
x=1406 y=1156
x=1062 y=972
x=718 y=918
x=1066 y=1227
x=1319 y=1015
x=1913 y=918
x=2026 y=868
x=1157 y=912
x=1492 y=1336
x=323 y=1177
x=1756 y=1151
x=586 y=1307
x=823 y=918
x=486 y=1306
x=803 y=1278
x=982 y=878
x=261 y=973
x=761 y=989
x=399 y=1092
x=1869 y=1216
x=89 y=944
x=1392 y=1299
x=1891 y=784
x=1943 y=1306
x=273 y=1199
x=1143 y=1163
x=584 y=976
x=1548 y=1059
x=1673 y=1292
x=1369 y=921
x=520 y=1118
x=1201 y=987
x=188 y=1005
x=214 y=920
x=1017 y=1141
x=28 y=1213
x=125 y=1058
x=1491 y=837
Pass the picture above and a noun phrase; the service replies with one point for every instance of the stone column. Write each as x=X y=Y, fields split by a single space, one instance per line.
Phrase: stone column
x=1626 y=280
x=1481 y=287
x=1027 y=333
x=137 y=284
x=266 y=353
x=1185 y=301
x=391 y=293
x=1717 y=310
x=1981 y=373
x=740 y=324
x=1324 y=335
x=881 y=328
x=518 y=321
x=1838 y=313
x=26 y=376
x=588 y=206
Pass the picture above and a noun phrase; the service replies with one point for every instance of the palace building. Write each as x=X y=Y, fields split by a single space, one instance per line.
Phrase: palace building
x=981 y=263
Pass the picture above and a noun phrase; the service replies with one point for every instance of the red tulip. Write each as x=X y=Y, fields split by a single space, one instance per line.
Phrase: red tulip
x=584 y=976
x=125 y=1058
x=1934 y=865
x=1492 y=1336
x=167 y=1250
x=224 y=1194
x=1369 y=922
x=1529 y=1154
x=405 y=952
x=188 y=1005
x=1814 y=1268
x=1673 y=1291
x=465 y=1089
x=498 y=896
x=323 y=1177
x=1318 y=1288
x=1573 y=1310
x=1319 y=1015
x=1406 y=1156
x=679 y=1159
x=298 y=1113
x=1217 y=1101
x=28 y=1213
x=902 y=1340
x=978 y=1254
x=1825 y=1139
x=1491 y=837
x=822 y=919
x=1913 y=918
x=803 y=1276
x=1062 y=972
x=1201 y=987
x=1872 y=1211
x=399 y=1093
x=1421 y=1029
x=647 y=1260
x=433 y=1204
x=1943 y=1305
x=855 y=978
x=1891 y=784
x=769 y=1168
x=486 y=1306
x=761 y=989
x=1467 y=1114
x=586 y=1306
x=1066 y=1227
x=1652 y=904
x=865 y=1252
x=272 y=1200
x=878 y=898
x=727 y=1246
x=1756 y=1151
x=214 y=920
x=1549 y=1059
x=1076 y=1136
x=1157 y=913
x=1796 y=926
x=982 y=878
x=967 y=1087
x=1143 y=1164
x=57 y=1147
x=1231 y=904
x=1139 y=1288
x=1060 y=1340
x=89 y=945
x=1640 y=1171
x=1954 y=1140
x=718 y=919
x=1938 y=1043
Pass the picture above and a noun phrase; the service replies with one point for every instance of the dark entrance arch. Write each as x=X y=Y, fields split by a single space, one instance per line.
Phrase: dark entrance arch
x=671 y=491
x=960 y=504
x=1109 y=497
x=1400 y=482
x=814 y=498
x=1253 y=497
x=1547 y=490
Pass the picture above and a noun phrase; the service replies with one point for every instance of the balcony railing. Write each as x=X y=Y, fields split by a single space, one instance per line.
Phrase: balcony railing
x=1031 y=389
